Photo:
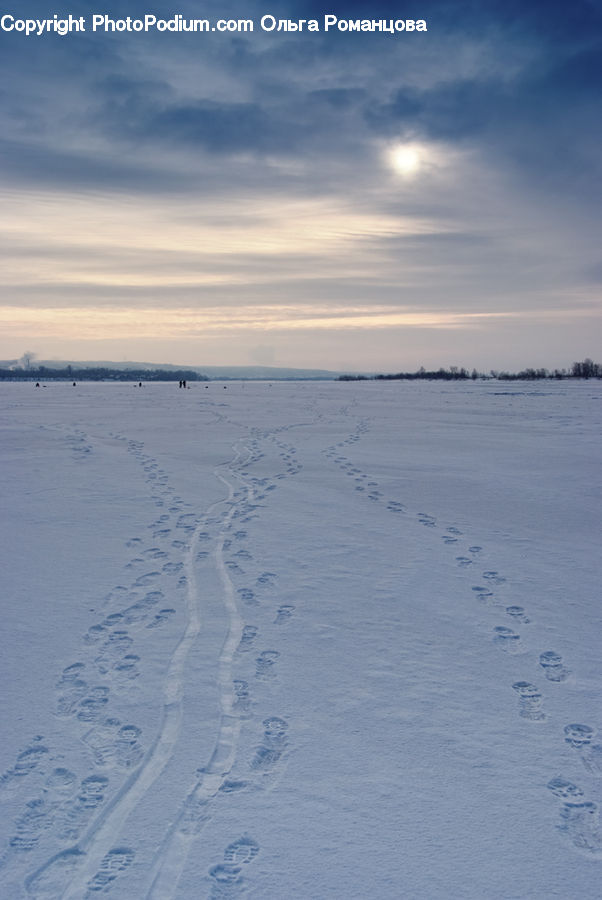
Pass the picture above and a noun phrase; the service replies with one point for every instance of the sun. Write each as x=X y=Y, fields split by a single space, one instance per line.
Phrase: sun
x=405 y=159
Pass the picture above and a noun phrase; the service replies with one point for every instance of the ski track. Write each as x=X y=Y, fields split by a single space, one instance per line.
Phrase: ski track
x=93 y=862
x=195 y=812
x=96 y=858
x=174 y=852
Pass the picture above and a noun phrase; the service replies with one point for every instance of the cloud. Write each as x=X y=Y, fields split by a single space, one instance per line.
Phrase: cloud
x=205 y=172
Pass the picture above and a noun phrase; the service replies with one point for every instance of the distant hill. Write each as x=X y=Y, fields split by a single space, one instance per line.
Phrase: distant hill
x=215 y=373
x=266 y=373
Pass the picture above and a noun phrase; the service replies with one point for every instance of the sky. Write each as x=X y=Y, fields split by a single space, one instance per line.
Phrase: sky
x=327 y=199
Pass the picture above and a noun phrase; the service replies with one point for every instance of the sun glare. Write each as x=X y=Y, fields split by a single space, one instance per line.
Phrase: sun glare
x=405 y=159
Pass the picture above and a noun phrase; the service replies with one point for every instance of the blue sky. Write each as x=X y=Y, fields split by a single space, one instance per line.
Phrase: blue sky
x=337 y=200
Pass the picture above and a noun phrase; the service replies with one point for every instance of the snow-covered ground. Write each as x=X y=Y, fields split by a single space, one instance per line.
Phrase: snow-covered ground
x=302 y=640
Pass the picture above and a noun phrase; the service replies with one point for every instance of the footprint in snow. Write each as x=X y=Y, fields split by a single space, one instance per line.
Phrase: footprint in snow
x=507 y=639
x=273 y=745
x=243 y=554
x=163 y=616
x=39 y=814
x=579 y=818
x=101 y=740
x=137 y=612
x=227 y=881
x=264 y=664
x=248 y=596
x=518 y=613
x=29 y=826
x=426 y=520
x=553 y=667
x=495 y=577
x=71 y=689
x=147 y=578
x=128 y=749
x=241 y=852
x=580 y=737
x=186 y=521
x=126 y=669
x=249 y=633
x=116 y=861
x=242 y=697
x=284 y=613
x=266 y=578
x=93 y=705
x=94 y=634
x=233 y=786
x=155 y=553
x=79 y=812
x=483 y=594
x=113 y=650
x=530 y=701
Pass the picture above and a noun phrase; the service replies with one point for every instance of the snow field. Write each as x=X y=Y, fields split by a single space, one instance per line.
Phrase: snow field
x=307 y=640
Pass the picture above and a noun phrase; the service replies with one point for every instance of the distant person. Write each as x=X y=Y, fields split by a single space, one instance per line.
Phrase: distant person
x=139 y=384
x=74 y=384
x=37 y=383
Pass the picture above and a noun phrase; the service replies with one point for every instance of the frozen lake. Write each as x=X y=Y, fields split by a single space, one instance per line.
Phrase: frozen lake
x=307 y=640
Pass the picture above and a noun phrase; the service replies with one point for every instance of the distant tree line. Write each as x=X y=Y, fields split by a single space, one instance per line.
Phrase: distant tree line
x=70 y=373
x=585 y=369
x=451 y=374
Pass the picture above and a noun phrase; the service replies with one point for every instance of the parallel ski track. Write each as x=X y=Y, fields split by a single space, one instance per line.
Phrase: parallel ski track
x=102 y=834
x=174 y=851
